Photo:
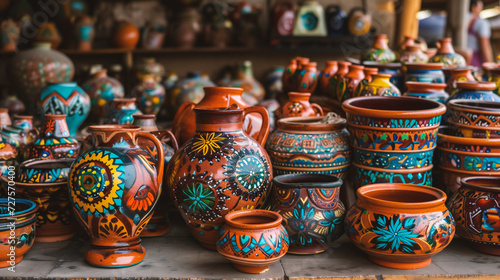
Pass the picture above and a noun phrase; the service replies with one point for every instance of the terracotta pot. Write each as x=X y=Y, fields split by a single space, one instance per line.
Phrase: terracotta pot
x=380 y=51
x=380 y=85
x=306 y=145
x=253 y=91
x=32 y=70
x=394 y=69
x=432 y=91
x=366 y=174
x=312 y=210
x=183 y=125
x=413 y=54
x=476 y=121
x=9 y=34
x=48 y=33
x=325 y=75
x=307 y=78
x=475 y=209
x=219 y=170
x=288 y=74
x=19 y=139
x=476 y=91
x=149 y=95
x=339 y=75
x=24 y=217
x=102 y=90
x=121 y=111
x=347 y=85
x=114 y=191
x=425 y=72
x=458 y=75
x=8 y=155
x=298 y=106
x=407 y=41
x=415 y=214
x=145 y=122
x=54 y=140
x=447 y=55
x=84 y=32
x=186 y=28
x=268 y=240
x=125 y=35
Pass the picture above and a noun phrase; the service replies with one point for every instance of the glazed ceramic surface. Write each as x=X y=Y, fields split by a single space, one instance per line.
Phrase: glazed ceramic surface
x=189 y=89
x=380 y=85
x=475 y=207
x=312 y=210
x=8 y=155
x=149 y=95
x=114 y=190
x=253 y=91
x=24 y=217
x=380 y=51
x=288 y=74
x=413 y=54
x=298 y=106
x=305 y=145
x=68 y=99
x=447 y=55
x=335 y=79
x=218 y=170
x=476 y=91
x=121 y=111
x=393 y=69
x=283 y=17
x=44 y=171
x=347 y=85
x=125 y=35
x=306 y=78
x=494 y=76
x=474 y=118
x=149 y=66
x=310 y=20
x=432 y=91
x=325 y=75
x=425 y=72
x=358 y=21
x=252 y=240
x=458 y=75
x=9 y=35
x=84 y=32
x=400 y=226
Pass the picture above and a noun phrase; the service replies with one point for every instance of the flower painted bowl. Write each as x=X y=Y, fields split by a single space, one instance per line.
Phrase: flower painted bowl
x=252 y=240
x=44 y=170
x=400 y=225
x=475 y=207
x=24 y=216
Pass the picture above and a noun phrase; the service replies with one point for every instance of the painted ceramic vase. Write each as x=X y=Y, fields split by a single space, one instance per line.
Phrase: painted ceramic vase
x=186 y=28
x=358 y=21
x=325 y=75
x=475 y=207
x=183 y=125
x=298 y=106
x=413 y=54
x=310 y=20
x=44 y=171
x=84 y=32
x=102 y=90
x=380 y=85
x=288 y=74
x=32 y=70
x=4 y=118
x=458 y=75
x=335 y=20
x=54 y=140
x=114 y=191
x=380 y=51
x=476 y=91
x=9 y=34
x=189 y=89
x=8 y=156
x=347 y=85
x=252 y=240
x=495 y=77
x=432 y=91
x=149 y=66
x=407 y=41
x=125 y=35
x=307 y=78
x=400 y=226
x=253 y=91
x=24 y=122
x=339 y=75
x=152 y=36
x=447 y=55
x=19 y=139
x=311 y=209
x=394 y=69
x=149 y=95
x=305 y=145
x=121 y=111
x=48 y=33
x=425 y=72
x=393 y=138
x=217 y=27
x=283 y=18
x=145 y=122
x=24 y=217
x=368 y=71
x=219 y=170
x=68 y=99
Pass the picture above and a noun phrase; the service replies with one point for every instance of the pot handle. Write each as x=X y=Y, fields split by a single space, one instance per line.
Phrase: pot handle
x=318 y=109
x=168 y=133
x=161 y=154
x=264 y=129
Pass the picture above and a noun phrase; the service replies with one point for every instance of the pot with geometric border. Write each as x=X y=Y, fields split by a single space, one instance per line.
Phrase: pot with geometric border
x=311 y=209
x=431 y=91
x=114 y=191
x=400 y=225
x=219 y=170
x=475 y=207
x=425 y=72
x=476 y=91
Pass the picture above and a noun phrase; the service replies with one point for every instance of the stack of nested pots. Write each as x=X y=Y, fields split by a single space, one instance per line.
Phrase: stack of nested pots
x=470 y=146
x=393 y=138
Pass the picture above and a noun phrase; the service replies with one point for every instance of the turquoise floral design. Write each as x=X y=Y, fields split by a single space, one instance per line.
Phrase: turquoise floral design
x=302 y=223
x=395 y=234
x=198 y=198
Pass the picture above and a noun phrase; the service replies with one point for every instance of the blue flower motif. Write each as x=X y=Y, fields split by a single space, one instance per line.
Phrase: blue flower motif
x=395 y=234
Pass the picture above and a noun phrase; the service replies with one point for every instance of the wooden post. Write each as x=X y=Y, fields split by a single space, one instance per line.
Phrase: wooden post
x=407 y=19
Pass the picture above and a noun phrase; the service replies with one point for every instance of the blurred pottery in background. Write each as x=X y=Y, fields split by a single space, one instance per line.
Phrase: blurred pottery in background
x=380 y=51
x=48 y=33
x=84 y=33
x=121 y=111
x=348 y=84
x=458 y=75
x=125 y=35
x=325 y=75
x=447 y=55
x=9 y=35
x=149 y=95
x=432 y=91
x=310 y=20
x=253 y=91
x=476 y=91
x=425 y=72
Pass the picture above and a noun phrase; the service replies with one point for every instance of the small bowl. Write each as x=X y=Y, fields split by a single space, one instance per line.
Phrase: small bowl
x=24 y=232
x=252 y=240
x=44 y=170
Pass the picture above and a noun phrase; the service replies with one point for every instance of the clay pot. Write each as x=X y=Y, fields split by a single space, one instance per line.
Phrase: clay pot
x=415 y=214
x=48 y=33
x=149 y=95
x=183 y=125
x=152 y=36
x=12 y=103
x=474 y=118
x=475 y=91
x=245 y=18
x=68 y=99
x=149 y=66
x=298 y=106
x=380 y=85
x=283 y=18
x=32 y=70
x=474 y=208
x=145 y=122
x=432 y=91
x=447 y=55
x=325 y=75
x=306 y=145
x=393 y=138
x=312 y=210
x=458 y=75
x=24 y=217
x=368 y=71
x=8 y=155
x=288 y=74
x=9 y=34
x=494 y=76
x=268 y=240
x=307 y=78
x=425 y=72
x=44 y=171
x=335 y=20
x=125 y=35
x=347 y=85
x=217 y=28
x=219 y=170
x=4 y=118
x=380 y=51
x=407 y=42
x=253 y=91
x=84 y=33
x=114 y=191
x=54 y=140
x=121 y=111
x=102 y=90
x=189 y=90
x=339 y=75
x=393 y=69
x=358 y=21
x=24 y=122
x=413 y=54
x=18 y=138
x=186 y=28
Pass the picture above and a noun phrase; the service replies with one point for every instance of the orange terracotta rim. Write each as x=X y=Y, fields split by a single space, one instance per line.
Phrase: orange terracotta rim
x=396 y=171
x=393 y=107
x=55 y=116
x=394 y=129
x=356 y=67
x=114 y=127
x=344 y=63
x=413 y=196
x=253 y=219
x=223 y=90
x=465 y=153
x=299 y=94
x=475 y=106
x=23 y=117
x=475 y=127
x=380 y=75
x=425 y=66
x=482 y=183
x=425 y=87
x=458 y=69
x=371 y=70
x=468 y=141
x=309 y=124
x=476 y=85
